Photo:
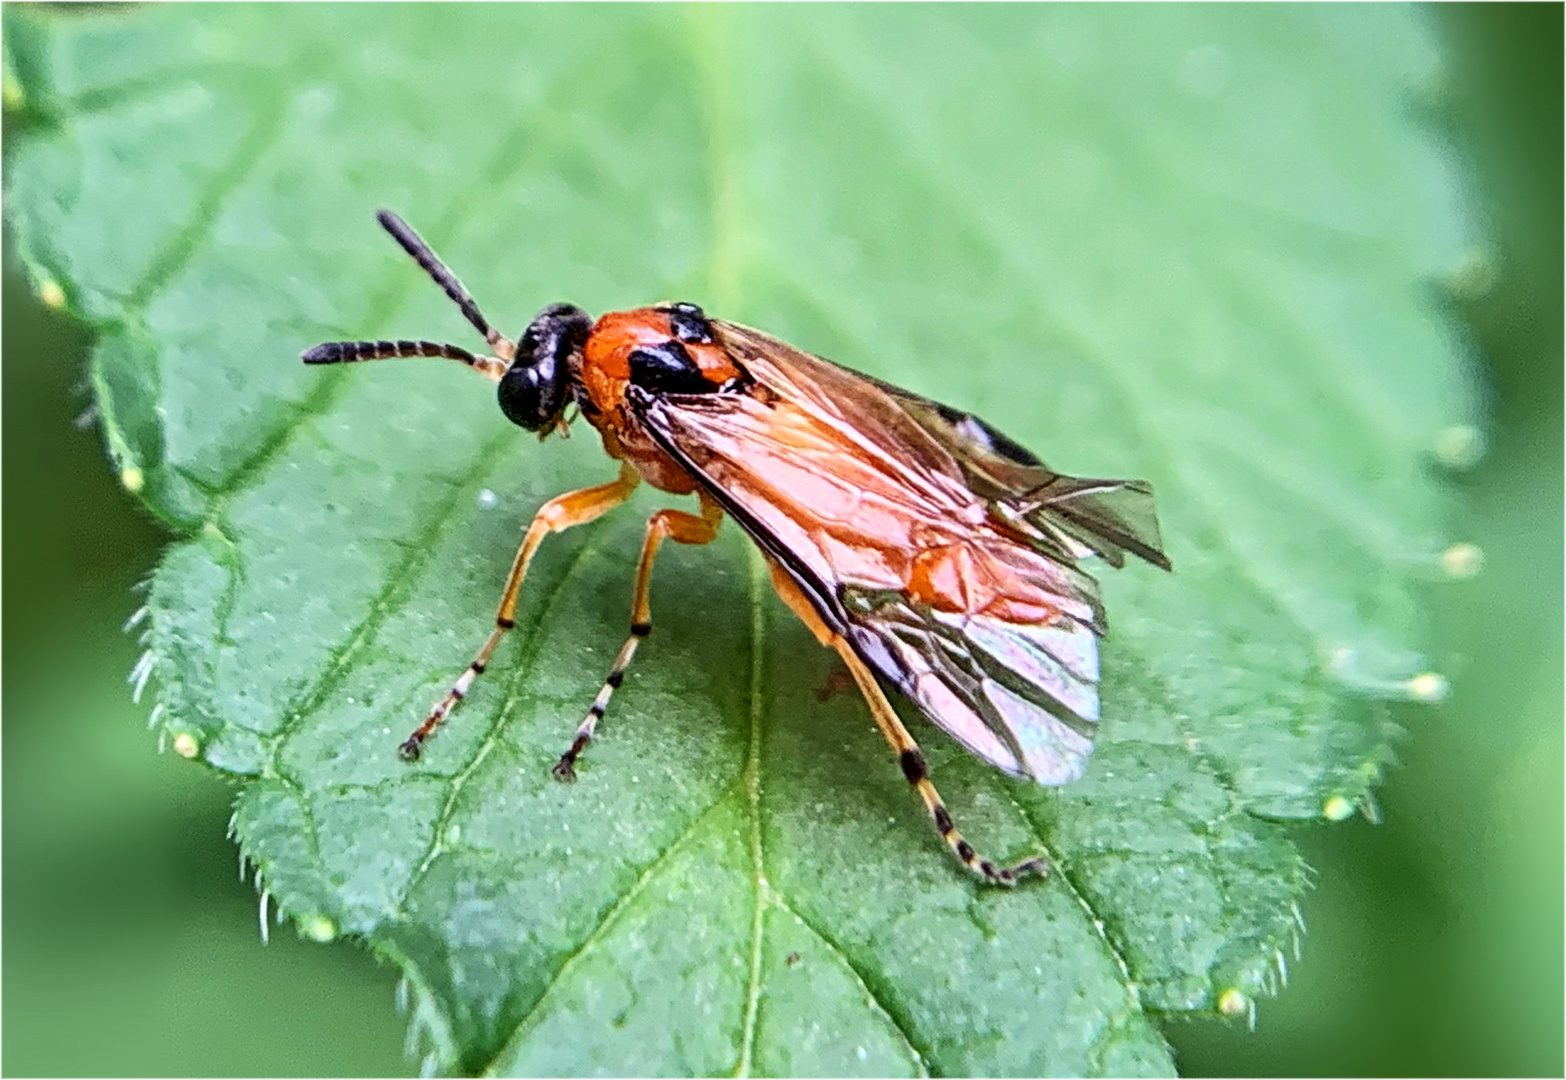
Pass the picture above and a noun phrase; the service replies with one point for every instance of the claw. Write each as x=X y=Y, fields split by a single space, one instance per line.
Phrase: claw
x=1008 y=876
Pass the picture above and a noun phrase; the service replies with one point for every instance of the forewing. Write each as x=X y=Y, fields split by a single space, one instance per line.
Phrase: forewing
x=865 y=410
x=804 y=487
x=834 y=482
x=1065 y=515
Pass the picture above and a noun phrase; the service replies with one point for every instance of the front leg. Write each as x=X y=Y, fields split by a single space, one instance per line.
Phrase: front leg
x=558 y=514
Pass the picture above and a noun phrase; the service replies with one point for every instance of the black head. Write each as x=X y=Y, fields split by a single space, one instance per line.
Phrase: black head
x=537 y=386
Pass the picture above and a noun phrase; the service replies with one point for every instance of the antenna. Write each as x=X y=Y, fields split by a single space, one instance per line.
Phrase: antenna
x=344 y=352
x=347 y=352
x=415 y=246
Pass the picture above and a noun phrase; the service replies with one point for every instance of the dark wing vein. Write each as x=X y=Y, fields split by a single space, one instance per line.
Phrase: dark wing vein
x=1065 y=516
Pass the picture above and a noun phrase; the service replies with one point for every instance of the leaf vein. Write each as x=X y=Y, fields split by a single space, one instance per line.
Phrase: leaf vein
x=142 y=89
x=1095 y=918
x=607 y=922
x=189 y=238
x=415 y=556
x=901 y=1025
x=758 y=618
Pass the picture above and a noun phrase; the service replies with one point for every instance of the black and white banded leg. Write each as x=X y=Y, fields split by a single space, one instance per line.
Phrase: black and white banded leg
x=558 y=514
x=909 y=757
x=674 y=525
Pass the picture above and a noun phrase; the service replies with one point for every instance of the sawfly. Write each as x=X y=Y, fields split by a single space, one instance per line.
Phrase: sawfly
x=915 y=540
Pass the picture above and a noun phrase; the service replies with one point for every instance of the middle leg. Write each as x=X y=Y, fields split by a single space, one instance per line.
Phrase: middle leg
x=674 y=525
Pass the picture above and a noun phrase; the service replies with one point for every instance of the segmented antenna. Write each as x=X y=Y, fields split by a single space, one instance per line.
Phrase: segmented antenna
x=347 y=352
x=414 y=245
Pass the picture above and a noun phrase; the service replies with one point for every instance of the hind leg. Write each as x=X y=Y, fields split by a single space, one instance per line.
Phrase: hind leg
x=902 y=743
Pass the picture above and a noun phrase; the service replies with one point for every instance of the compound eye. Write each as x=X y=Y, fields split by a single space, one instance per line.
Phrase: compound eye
x=689 y=324
x=535 y=388
x=667 y=369
x=527 y=396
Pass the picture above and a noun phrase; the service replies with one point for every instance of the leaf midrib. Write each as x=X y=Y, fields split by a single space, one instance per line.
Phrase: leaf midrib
x=752 y=778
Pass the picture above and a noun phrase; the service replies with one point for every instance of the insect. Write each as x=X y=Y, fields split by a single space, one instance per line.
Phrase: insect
x=915 y=540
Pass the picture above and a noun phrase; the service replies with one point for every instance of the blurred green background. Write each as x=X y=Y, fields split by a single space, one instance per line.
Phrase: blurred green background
x=1435 y=944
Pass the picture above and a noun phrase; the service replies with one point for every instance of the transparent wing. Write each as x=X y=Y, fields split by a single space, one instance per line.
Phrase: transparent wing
x=1024 y=698
x=1020 y=693
x=1067 y=515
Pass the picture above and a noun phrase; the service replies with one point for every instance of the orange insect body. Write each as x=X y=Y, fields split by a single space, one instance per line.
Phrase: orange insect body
x=948 y=555
x=921 y=544
x=606 y=372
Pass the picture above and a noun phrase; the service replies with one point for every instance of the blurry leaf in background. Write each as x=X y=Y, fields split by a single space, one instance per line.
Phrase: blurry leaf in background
x=1446 y=922
x=131 y=945
x=135 y=370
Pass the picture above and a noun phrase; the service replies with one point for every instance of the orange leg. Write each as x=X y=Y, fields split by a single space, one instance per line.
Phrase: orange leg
x=556 y=515
x=902 y=743
x=674 y=525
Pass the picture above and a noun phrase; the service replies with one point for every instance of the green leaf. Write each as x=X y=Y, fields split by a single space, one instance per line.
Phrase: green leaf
x=1194 y=244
